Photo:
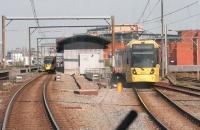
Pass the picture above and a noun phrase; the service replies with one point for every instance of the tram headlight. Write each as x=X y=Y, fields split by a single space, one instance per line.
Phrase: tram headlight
x=134 y=71
x=152 y=71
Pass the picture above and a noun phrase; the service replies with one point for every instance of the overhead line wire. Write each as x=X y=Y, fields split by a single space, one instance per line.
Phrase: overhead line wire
x=144 y=11
x=150 y=12
x=177 y=21
x=175 y=11
x=35 y=16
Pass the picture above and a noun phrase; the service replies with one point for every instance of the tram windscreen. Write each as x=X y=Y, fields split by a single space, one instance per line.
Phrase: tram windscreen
x=48 y=61
x=144 y=55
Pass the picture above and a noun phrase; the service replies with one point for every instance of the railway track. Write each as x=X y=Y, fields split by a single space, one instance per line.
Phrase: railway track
x=182 y=89
x=165 y=113
x=28 y=108
x=190 y=80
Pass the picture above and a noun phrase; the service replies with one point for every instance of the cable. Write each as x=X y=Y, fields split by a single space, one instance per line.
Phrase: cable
x=35 y=16
x=177 y=21
x=144 y=11
x=150 y=12
x=175 y=11
x=186 y=18
x=34 y=12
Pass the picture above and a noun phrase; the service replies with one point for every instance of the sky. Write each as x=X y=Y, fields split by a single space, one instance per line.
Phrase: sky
x=125 y=12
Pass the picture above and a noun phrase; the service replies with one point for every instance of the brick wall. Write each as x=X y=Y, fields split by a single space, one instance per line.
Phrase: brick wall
x=186 y=48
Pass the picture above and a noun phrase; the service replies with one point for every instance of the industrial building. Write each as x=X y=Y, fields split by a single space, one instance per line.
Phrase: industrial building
x=20 y=57
x=82 y=52
x=94 y=50
x=186 y=49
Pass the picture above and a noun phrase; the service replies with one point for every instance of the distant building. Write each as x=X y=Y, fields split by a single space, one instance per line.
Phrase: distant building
x=20 y=57
x=186 y=47
x=123 y=33
x=82 y=53
x=15 y=58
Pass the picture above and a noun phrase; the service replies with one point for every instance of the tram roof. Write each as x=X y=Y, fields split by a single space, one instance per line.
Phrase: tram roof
x=143 y=42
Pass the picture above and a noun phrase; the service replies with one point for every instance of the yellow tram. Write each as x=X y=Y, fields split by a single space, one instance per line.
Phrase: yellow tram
x=50 y=63
x=138 y=62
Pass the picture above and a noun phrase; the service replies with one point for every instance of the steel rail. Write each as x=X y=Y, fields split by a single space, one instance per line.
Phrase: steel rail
x=78 y=85
x=187 y=88
x=180 y=90
x=186 y=114
x=10 y=104
x=160 y=125
x=47 y=108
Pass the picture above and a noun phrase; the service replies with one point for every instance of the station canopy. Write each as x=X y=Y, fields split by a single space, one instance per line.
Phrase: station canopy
x=81 y=42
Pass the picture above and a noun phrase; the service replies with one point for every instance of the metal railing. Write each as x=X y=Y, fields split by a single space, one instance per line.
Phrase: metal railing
x=98 y=73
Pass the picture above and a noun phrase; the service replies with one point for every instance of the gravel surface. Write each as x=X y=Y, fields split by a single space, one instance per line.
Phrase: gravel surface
x=103 y=112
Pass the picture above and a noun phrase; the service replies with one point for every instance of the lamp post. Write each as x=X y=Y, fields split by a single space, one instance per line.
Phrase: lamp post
x=166 y=51
x=196 y=42
x=4 y=41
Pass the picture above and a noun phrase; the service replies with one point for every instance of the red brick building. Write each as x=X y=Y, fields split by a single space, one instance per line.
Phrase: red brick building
x=183 y=50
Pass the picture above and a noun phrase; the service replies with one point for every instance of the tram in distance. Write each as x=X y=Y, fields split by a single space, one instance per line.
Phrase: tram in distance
x=50 y=63
x=137 y=62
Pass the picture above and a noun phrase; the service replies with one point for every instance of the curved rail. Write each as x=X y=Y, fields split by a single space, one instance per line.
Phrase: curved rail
x=10 y=104
x=186 y=114
x=160 y=125
x=49 y=113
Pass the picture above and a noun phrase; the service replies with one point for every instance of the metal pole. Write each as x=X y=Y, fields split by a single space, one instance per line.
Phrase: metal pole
x=4 y=41
x=113 y=41
x=197 y=57
x=44 y=52
x=162 y=21
x=41 y=53
x=60 y=18
x=29 y=48
x=166 y=52
x=197 y=45
x=37 y=54
x=162 y=42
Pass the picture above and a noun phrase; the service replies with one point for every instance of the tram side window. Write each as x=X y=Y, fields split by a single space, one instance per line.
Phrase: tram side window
x=128 y=57
x=127 y=60
x=124 y=58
